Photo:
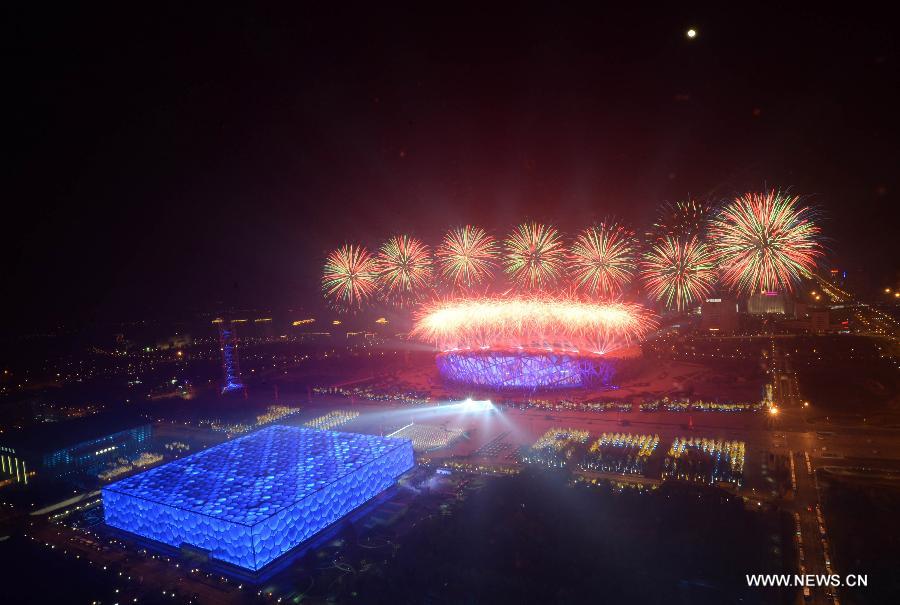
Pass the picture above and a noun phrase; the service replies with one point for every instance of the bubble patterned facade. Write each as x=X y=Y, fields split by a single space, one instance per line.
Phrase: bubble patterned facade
x=252 y=499
x=528 y=371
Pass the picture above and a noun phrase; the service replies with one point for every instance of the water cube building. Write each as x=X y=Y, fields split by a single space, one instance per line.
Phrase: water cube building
x=252 y=499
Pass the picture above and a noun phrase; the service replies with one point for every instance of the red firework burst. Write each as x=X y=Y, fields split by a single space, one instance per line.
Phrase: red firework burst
x=678 y=273
x=765 y=241
x=467 y=256
x=348 y=280
x=535 y=257
x=601 y=261
x=404 y=269
x=539 y=321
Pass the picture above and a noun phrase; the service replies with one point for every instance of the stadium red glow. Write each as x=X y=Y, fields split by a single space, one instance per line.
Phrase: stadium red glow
x=538 y=323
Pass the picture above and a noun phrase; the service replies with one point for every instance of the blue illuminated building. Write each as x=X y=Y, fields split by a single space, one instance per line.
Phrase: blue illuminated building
x=91 y=456
x=73 y=449
x=250 y=500
x=530 y=371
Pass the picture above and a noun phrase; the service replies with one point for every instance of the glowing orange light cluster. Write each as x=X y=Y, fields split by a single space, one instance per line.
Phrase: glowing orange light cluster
x=532 y=323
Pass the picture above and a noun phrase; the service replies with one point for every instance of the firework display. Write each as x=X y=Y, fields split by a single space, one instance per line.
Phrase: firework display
x=601 y=260
x=535 y=257
x=404 y=269
x=765 y=242
x=536 y=342
x=349 y=277
x=678 y=272
x=467 y=256
x=757 y=242
x=540 y=323
x=684 y=219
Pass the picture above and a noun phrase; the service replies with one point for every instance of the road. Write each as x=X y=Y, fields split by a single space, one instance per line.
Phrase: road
x=806 y=509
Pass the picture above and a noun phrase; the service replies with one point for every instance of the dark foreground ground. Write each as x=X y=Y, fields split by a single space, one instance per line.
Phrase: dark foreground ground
x=534 y=539
x=861 y=512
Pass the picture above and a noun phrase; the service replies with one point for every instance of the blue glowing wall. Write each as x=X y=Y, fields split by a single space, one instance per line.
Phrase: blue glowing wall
x=252 y=499
x=524 y=371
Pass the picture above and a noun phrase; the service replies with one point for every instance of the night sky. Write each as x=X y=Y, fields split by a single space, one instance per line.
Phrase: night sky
x=164 y=162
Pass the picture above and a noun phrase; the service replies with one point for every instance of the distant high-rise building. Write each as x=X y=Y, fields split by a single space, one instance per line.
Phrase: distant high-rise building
x=763 y=303
x=719 y=315
x=231 y=367
x=838 y=276
x=819 y=320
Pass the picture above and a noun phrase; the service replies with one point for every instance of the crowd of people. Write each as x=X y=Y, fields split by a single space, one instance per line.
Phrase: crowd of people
x=705 y=460
x=273 y=413
x=621 y=453
x=565 y=405
x=664 y=404
x=555 y=447
x=125 y=466
x=697 y=405
x=698 y=459
x=369 y=393
x=331 y=420
x=498 y=447
x=427 y=437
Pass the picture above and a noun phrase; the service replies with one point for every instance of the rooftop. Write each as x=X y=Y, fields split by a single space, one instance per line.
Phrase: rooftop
x=253 y=477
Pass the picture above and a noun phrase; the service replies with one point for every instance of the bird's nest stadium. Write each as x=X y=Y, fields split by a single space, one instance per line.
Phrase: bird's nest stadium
x=534 y=343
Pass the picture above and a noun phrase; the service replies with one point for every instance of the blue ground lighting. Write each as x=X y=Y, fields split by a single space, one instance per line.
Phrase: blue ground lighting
x=252 y=499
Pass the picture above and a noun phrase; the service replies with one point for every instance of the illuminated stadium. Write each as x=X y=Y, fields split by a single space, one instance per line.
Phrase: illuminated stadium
x=248 y=501
x=532 y=343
